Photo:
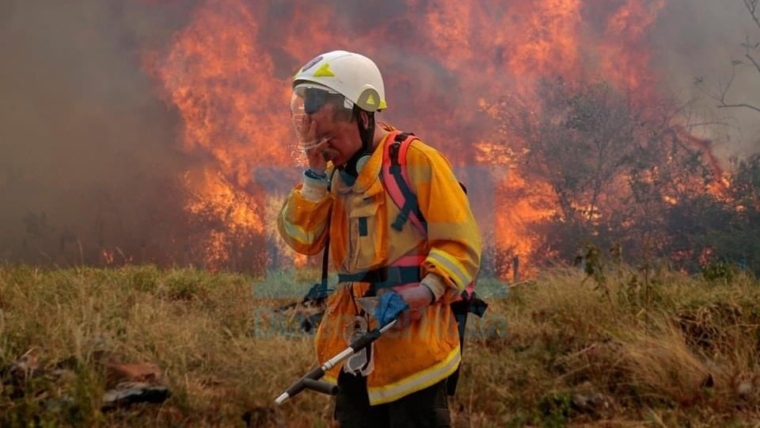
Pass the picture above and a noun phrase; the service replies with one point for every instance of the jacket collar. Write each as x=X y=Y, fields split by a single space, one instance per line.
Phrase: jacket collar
x=370 y=172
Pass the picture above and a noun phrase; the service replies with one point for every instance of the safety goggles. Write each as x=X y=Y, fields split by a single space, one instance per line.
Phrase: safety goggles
x=315 y=97
x=300 y=125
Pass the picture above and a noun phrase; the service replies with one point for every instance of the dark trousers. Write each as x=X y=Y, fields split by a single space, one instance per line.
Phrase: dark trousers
x=426 y=408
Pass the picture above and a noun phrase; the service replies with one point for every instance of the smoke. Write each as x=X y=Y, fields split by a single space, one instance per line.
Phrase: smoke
x=697 y=42
x=86 y=148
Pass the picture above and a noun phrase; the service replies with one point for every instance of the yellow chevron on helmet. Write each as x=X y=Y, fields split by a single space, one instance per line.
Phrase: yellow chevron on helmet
x=352 y=75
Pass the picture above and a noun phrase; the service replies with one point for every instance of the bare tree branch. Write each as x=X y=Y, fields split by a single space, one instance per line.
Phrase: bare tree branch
x=753 y=10
x=749 y=106
x=753 y=7
x=754 y=61
x=725 y=89
x=722 y=94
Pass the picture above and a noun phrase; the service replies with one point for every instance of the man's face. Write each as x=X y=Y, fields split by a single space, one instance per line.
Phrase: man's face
x=342 y=136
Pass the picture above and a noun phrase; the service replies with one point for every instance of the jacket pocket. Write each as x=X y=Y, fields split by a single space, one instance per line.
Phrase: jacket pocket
x=366 y=234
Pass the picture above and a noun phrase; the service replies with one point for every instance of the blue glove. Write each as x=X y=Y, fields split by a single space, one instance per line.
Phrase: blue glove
x=389 y=307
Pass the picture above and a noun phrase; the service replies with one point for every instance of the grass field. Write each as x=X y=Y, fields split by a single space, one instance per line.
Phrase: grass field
x=656 y=350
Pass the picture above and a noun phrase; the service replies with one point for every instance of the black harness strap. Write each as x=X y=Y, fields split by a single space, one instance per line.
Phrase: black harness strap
x=319 y=292
x=410 y=198
x=384 y=277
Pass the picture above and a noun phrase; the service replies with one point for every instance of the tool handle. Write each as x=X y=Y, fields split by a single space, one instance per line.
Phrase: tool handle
x=310 y=380
x=299 y=385
x=323 y=387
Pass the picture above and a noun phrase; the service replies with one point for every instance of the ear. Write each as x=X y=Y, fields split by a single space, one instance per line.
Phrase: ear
x=364 y=118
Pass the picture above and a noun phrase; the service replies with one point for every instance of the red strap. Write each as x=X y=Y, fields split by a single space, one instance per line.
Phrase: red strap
x=470 y=288
x=390 y=182
x=398 y=198
x=414 y=260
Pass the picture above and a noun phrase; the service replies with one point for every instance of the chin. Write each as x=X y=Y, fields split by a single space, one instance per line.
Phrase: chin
x=336 y=159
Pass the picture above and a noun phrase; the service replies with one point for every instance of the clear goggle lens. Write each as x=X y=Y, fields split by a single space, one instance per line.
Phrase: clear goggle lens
x=300 y=125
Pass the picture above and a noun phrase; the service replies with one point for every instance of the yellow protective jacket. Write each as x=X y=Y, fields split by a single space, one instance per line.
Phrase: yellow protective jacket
x=361 y=238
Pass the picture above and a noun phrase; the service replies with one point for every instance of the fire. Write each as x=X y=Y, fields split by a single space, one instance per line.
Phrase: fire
x=108 y=257
x=231 y=215
x=550 y=41
x=722 y=183
x=626 y=54
x=447 y=65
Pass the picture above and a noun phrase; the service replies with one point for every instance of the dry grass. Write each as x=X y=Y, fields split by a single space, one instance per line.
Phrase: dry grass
x=557 y=352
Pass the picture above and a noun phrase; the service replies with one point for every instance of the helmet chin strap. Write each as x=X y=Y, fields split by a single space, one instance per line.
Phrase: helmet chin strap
x=367 y=134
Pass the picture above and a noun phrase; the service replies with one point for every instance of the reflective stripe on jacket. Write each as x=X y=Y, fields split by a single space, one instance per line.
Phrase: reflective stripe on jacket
x=361 y=238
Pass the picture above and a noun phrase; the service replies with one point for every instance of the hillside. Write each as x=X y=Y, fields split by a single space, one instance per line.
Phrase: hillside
x=660 y=349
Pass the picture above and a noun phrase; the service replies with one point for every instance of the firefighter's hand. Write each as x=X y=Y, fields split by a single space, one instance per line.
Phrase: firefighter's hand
x=308 y=137
x=418 y=298
x=389 y=307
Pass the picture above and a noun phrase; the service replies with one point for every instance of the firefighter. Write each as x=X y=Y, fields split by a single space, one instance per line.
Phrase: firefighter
x=401 y=379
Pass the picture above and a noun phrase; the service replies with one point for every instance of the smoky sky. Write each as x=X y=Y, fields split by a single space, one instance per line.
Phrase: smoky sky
x=88 y=152
x=85 y=145
x=697 y=41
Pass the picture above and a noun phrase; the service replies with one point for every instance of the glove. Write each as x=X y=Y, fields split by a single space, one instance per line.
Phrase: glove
x=390 y=305
x=418 y=298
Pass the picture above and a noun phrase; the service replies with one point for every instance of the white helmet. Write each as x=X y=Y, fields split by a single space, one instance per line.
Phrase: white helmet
x=352 y=75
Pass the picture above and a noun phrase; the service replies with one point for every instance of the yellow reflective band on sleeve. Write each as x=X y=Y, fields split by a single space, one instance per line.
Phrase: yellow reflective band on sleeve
x=416 y=382
x=451 y=266
x=300 y=234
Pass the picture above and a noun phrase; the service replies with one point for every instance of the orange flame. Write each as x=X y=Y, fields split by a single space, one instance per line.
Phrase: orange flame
x=445 y=64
